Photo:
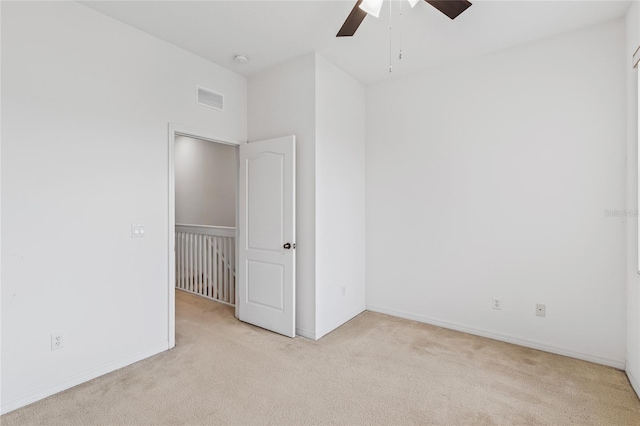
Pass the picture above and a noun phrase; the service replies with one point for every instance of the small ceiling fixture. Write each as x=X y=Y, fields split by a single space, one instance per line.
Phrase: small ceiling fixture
x=240 y=59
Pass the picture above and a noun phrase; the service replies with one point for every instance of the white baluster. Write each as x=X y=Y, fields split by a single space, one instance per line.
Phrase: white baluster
x=199 y=258
x=203 y=263
x=182 y=262
x=192 y=258
x=214 y=260
x=232 y=270
x=209 y=292
x=227 y=298
x=178 y=262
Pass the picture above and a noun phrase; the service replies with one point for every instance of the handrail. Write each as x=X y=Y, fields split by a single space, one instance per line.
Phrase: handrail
x=220 y=231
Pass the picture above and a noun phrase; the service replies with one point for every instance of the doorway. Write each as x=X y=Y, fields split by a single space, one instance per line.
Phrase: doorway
x=207 y=256
x=205 y=199
x=203 y=176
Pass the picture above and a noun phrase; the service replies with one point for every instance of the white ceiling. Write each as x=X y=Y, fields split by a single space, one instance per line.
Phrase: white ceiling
x=270 y=32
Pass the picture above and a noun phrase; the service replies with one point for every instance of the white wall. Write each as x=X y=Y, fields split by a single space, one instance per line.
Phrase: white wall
x=633 y=281
x=282 y=102
x=324 y=107
x=205 y=182
x=86 y=103
x=490 y=178
x=340 y=196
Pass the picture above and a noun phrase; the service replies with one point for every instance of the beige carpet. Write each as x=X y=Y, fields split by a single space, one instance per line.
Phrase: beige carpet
x=376 y=369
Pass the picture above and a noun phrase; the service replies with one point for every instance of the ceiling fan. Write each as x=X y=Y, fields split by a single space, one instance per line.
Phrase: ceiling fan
x=451 y=8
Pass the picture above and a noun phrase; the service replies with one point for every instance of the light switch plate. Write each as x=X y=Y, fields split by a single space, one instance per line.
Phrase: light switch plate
x=137 y=230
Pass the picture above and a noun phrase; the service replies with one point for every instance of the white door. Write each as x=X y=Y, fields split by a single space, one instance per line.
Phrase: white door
x=266 y=235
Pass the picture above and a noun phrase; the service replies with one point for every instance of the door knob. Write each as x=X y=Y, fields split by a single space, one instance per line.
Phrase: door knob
x=287 y=246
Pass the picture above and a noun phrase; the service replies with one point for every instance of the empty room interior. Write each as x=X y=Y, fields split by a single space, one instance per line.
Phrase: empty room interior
x=319 y=211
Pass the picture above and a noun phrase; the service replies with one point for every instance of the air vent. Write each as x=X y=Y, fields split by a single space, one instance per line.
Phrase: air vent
x=210 y=98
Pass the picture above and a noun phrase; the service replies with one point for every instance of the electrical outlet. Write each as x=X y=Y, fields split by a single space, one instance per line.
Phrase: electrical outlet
x=344 y=290
x=541 y=310
x=57 y=341
x=497 y=303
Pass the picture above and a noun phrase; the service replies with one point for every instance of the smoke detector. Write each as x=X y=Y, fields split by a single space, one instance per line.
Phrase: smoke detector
x=241 y=59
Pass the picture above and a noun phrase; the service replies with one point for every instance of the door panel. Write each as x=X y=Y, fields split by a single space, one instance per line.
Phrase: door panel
x=271 y=291
x=266 y=268
x=265 y=183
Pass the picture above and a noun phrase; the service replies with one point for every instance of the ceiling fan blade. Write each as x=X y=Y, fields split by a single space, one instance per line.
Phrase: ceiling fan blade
x=352 y=22
x=451 y=8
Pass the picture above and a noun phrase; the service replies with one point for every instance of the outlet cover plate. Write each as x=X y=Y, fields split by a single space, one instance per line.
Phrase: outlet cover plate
x=57 y=341
x=497 y=303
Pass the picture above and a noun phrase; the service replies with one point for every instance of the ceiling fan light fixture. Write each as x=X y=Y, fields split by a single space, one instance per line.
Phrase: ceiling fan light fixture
x=413 y=2
x=372 y=7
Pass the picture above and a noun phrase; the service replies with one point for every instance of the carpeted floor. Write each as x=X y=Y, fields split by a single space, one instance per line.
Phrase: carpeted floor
x=376 y=369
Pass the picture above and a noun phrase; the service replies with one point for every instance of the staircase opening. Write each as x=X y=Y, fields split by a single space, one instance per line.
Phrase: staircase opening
x=205 y=218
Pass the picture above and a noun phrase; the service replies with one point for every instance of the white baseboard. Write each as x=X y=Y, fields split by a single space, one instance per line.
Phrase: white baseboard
x=341 y=321
x=53 y=388
x=307 y=334
x=635 y=383
x=615 y=363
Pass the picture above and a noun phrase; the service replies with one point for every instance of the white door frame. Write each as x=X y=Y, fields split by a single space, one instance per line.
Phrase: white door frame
x=179 y=130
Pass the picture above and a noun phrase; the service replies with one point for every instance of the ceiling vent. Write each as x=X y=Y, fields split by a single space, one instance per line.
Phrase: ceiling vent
x=210 y=98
